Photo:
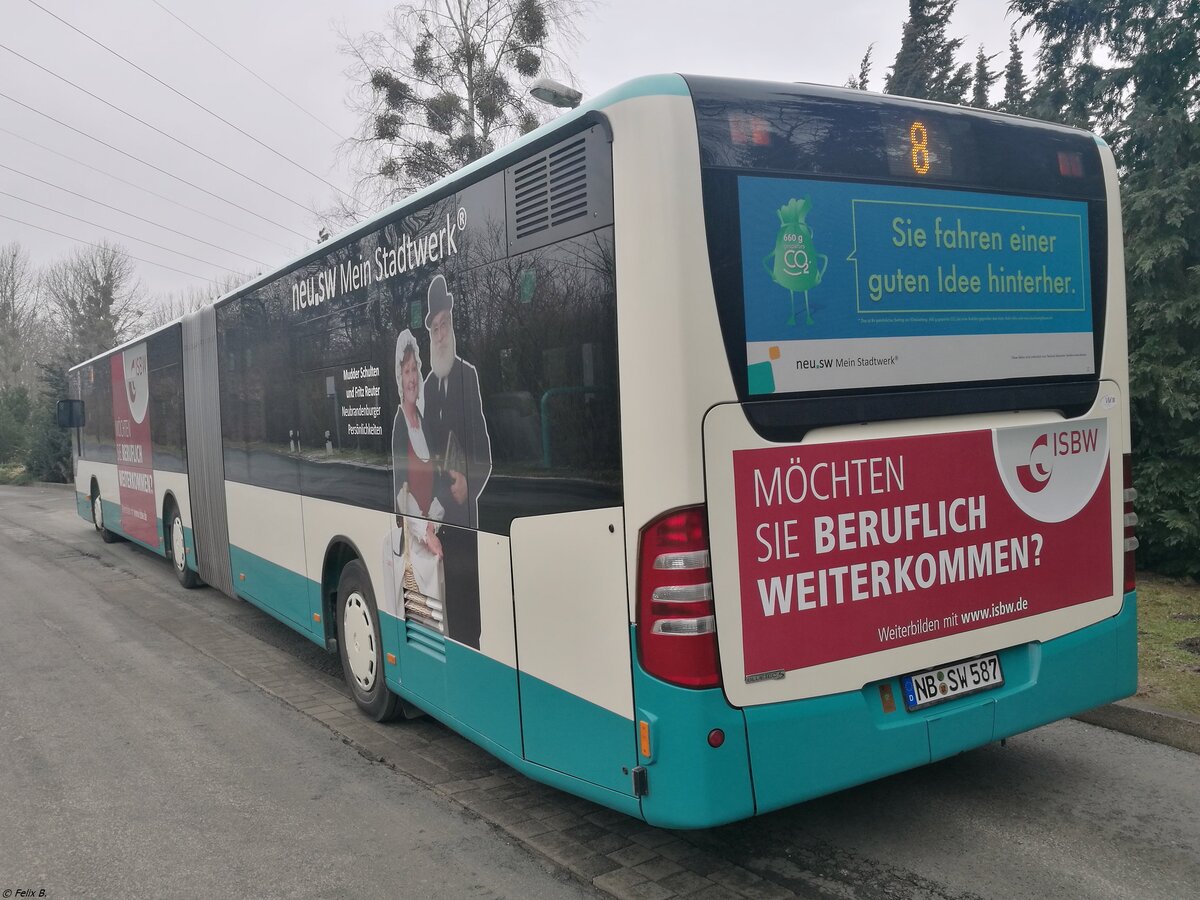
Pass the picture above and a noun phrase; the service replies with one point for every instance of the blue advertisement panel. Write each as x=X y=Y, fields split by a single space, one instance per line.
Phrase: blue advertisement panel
x=864 y=285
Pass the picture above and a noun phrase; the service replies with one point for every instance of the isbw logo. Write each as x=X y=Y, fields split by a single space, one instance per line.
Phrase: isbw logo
x=1035 y=476
x=1046 y=447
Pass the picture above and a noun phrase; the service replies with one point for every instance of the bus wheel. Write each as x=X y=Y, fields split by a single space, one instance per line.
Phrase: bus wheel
x=177 y=550
x=98 y=519
x=360 y=645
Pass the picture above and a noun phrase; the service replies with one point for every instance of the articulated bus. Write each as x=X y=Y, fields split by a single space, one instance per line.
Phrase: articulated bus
x=718 y=445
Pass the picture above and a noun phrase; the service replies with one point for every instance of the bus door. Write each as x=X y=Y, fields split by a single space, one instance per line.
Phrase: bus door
x=572 y=629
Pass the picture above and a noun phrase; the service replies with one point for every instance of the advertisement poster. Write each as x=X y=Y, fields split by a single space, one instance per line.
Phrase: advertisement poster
x=846 y=549
x=131 y=425
x=862 y=285
x=356 y=390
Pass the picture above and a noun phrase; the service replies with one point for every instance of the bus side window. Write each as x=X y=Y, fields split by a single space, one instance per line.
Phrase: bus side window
x=544 y=343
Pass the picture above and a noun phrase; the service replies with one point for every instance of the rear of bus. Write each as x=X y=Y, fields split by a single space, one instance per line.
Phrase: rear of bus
x=886 y=517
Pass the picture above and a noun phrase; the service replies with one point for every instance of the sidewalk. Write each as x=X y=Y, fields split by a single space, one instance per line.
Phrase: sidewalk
x=1139 y=720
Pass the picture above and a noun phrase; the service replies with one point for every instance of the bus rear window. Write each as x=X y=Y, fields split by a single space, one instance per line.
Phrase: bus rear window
x=867 y=243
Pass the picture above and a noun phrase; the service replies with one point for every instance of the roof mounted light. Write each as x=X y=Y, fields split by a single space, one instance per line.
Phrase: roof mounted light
x=555 y=93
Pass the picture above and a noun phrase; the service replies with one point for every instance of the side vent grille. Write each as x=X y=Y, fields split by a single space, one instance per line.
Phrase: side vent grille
x=421 y=638
x=551 y=189
x=561 y=192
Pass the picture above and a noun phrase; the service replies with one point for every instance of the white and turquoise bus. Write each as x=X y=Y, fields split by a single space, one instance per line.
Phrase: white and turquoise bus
x=717 y=446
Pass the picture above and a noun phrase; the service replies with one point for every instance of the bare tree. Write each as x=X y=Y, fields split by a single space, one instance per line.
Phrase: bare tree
x=175 y=305
x=94 y=299
x=445 y=83
x=18 y=299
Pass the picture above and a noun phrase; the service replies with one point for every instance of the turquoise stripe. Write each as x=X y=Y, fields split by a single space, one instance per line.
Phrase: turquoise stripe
x=1072 y=673
x=482 y=693
x=624 y=803
x=280 y=591
x=576 y=737
x=569 y=743
x=691 y=784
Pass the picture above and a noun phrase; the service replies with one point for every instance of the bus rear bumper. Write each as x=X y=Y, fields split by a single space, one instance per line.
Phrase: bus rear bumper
x=780 y=754
x=809 y=748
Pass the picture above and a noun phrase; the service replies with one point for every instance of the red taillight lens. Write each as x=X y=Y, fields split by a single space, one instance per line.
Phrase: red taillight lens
x=1130 y=521
x=677 y=635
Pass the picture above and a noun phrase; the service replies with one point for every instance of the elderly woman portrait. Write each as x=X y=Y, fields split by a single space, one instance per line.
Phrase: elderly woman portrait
x=418 y=511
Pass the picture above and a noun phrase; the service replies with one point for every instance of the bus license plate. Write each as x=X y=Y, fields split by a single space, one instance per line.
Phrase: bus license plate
x=938 y=685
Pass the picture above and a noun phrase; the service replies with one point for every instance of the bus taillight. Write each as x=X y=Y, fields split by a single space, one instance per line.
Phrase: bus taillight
x=677 y=635
x=1130 y=522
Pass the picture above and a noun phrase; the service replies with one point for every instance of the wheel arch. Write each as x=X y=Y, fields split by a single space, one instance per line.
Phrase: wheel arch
x=339 y=552
x=168 y=502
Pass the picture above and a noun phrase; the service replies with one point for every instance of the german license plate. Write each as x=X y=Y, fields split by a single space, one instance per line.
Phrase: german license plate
x=922 y=689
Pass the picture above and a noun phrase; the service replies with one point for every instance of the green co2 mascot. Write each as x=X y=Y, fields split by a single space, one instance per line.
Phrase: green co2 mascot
x=795 y=265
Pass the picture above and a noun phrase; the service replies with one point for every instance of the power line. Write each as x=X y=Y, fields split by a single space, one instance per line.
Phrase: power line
x=241 y=64
x=121 y=233
x=152 y=166
x=123 y=212
x=154 y=128
x=146 y=190
x=194 y=103
x=101 y=246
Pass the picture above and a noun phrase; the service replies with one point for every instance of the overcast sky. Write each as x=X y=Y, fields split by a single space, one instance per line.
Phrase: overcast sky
x=295 y=47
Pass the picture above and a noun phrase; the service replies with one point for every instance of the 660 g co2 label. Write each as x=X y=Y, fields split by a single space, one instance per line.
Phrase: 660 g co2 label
x=923 y=689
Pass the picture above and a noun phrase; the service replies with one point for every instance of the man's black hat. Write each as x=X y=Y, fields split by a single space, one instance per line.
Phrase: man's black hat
x=440 y=298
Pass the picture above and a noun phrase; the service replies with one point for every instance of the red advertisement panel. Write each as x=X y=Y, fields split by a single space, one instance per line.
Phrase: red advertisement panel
x=851 y=548
x=131 y=424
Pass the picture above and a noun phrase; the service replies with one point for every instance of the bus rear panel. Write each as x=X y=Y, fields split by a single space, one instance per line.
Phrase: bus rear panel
x=912 y=540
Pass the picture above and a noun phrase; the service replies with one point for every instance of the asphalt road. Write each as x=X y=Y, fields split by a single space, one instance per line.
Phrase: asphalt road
x=133 y=765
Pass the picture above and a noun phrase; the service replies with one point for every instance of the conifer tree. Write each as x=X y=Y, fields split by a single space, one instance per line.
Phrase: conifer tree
x=864 y=72
x=1146 y=102
x=925 y=65
x=983 y=80
x=1015 y=86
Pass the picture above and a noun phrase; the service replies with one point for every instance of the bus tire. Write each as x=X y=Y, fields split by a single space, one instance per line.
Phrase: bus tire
x=98 y=518
x=360 y=644
x=177 y=549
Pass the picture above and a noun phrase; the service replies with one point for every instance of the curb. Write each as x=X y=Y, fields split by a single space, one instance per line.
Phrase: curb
x=1173 y=729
